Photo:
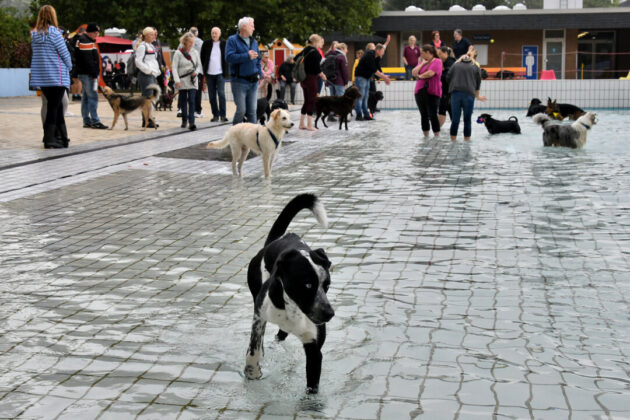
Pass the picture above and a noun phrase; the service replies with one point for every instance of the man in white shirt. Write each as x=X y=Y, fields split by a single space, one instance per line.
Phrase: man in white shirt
x=215 y=70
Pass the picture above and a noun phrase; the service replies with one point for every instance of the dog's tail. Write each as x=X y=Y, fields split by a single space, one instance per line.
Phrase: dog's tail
x=156 y=91
x=513 y=118
x=300 y=202
x=219 y=144
x=542 y=119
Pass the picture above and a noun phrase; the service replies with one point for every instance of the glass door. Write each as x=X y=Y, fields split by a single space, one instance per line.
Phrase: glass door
x=553 y=52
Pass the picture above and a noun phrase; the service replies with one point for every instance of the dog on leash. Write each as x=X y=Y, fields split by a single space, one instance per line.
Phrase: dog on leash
x=574 y=135
x=123 y=104
x=293 y=296
x=497 y=127
x=561 y=111
x=263 y=140
x=340 y=105
x=166 y=100
x=536 y=107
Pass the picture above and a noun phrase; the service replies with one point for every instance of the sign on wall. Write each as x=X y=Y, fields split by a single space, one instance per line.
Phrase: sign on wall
x=530 y=61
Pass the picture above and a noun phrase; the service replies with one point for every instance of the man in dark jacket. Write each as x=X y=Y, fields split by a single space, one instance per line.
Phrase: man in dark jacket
x=215 y=69
x=369 y=65
x=460 y=44
x=286 y=78
x=241 y=52
x=88 y=71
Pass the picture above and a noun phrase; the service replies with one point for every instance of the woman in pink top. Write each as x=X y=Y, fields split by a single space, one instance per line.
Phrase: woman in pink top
x=428 y=89
x=435 y=39
x=269 y=75
x=411 y=54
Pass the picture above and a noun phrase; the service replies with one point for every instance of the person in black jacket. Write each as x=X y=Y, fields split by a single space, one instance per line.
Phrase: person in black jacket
x=286 y=78
x=215 y=69
x=88 y=71
x=312 y=59
x=446 y=55
x=369 y=65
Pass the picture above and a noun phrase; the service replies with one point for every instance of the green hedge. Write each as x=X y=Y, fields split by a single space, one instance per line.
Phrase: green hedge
x=15 y=42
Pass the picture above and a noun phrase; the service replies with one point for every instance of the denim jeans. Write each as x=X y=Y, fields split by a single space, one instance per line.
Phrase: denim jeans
x=144 y=81
x=216 y=87
x=89 y=100
x=361 y=106
x=245 y=97
x=283 y=88
x=337 y=90
x=461 y=100
x=188 y=105
x=408 y=70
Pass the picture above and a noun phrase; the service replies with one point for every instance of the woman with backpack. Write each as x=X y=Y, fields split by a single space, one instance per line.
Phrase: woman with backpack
x=310 y=59
x=186 y=67
x=147 y=64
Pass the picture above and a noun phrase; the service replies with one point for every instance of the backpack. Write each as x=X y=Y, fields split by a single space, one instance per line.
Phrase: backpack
x=329 y=67
x=299 y=72
x=132 y=70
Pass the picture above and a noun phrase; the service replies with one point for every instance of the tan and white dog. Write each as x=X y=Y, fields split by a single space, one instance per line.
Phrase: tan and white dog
x=263 y=140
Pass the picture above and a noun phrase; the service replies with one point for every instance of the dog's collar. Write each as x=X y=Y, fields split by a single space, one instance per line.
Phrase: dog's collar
x=588 y=127
x=273 y=137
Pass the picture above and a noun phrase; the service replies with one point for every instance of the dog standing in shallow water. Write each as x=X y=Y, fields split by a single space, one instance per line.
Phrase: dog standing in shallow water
x=573 y=135
x=497 y=127
x=123 y=104
x=263 y=140
x=561 y=111
x=294 y=295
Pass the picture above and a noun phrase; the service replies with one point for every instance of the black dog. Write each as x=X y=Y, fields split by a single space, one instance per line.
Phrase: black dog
x=373 y=101
x=294 y=295
x=340 y=105
x=497 y=127
x=536 y=107
x=505 y=75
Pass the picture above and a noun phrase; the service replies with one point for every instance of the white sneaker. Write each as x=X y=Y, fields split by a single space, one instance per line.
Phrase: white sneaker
x=198 y=115
x=179 y=113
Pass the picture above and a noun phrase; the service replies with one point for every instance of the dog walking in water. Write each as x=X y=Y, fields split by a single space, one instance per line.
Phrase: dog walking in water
x=293 y=296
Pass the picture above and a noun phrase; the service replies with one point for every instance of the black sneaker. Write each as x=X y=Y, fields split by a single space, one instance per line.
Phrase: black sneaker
x=368 y=118
x=99 y=126
x=214 y=119
x=87 y=125
x=192 y=127
x=152 y=124
x=359 y=118
x=224 y=119
x=183 y=124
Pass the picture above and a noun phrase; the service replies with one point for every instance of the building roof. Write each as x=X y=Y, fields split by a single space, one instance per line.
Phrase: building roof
x=595 y=18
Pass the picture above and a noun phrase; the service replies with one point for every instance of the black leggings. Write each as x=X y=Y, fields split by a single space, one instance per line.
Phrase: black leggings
x=54 y=106
x=428 y=106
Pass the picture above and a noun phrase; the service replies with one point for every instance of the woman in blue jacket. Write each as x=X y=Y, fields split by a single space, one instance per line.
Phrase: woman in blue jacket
x=50 y=71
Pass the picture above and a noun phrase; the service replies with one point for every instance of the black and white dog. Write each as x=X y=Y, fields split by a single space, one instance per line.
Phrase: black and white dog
x=497 y=127
x=294 y=295
x=566 y=135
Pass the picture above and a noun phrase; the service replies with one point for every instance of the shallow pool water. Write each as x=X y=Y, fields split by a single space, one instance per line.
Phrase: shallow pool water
x=469 y=279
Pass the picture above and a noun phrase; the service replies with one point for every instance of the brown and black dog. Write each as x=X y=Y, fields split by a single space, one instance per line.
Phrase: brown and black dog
x=340 y=105
x=123 y=104
x=561 y=111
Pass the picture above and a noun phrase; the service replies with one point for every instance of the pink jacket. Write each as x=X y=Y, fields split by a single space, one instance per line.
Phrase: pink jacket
x=435 y=82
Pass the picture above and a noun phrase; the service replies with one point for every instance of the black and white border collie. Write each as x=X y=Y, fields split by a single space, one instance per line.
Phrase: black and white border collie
x=294 y=294
x=574 y=135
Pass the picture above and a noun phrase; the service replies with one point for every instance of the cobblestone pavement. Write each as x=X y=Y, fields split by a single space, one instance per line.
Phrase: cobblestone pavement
x=469 y=280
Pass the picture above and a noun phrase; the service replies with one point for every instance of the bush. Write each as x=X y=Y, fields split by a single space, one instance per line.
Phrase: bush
x=15 y=42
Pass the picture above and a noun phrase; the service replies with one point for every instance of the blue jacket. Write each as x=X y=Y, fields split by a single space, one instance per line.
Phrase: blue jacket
x=237 y=56
x=50 y=62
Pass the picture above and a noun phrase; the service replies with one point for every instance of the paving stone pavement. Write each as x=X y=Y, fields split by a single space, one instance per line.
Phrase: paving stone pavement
x=470 y=280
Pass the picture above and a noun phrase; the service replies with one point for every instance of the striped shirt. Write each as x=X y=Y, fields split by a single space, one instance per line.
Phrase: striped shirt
x=50 y=62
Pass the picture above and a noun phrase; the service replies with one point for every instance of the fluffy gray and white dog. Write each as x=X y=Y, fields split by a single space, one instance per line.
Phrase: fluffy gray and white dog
x=566 y=135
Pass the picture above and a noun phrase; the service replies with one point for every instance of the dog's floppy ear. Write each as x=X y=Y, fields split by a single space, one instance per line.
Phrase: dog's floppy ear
x=275 y=114
x=319 y=257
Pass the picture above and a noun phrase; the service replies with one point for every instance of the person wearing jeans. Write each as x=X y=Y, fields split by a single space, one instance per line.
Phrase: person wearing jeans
x=368 y=66
x=241 y=52
x=215 y=69
x=88 y=70
x=148 y=66
x=464 y=81
x=186 y=67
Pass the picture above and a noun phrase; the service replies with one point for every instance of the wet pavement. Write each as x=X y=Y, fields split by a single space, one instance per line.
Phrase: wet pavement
x=469 y=280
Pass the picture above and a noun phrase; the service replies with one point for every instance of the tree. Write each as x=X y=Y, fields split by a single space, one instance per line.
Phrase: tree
x=15 y=44
x=273 y=18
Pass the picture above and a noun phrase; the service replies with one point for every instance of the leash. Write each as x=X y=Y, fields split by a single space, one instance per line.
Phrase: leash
x=588 y=127
x=273 y=137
